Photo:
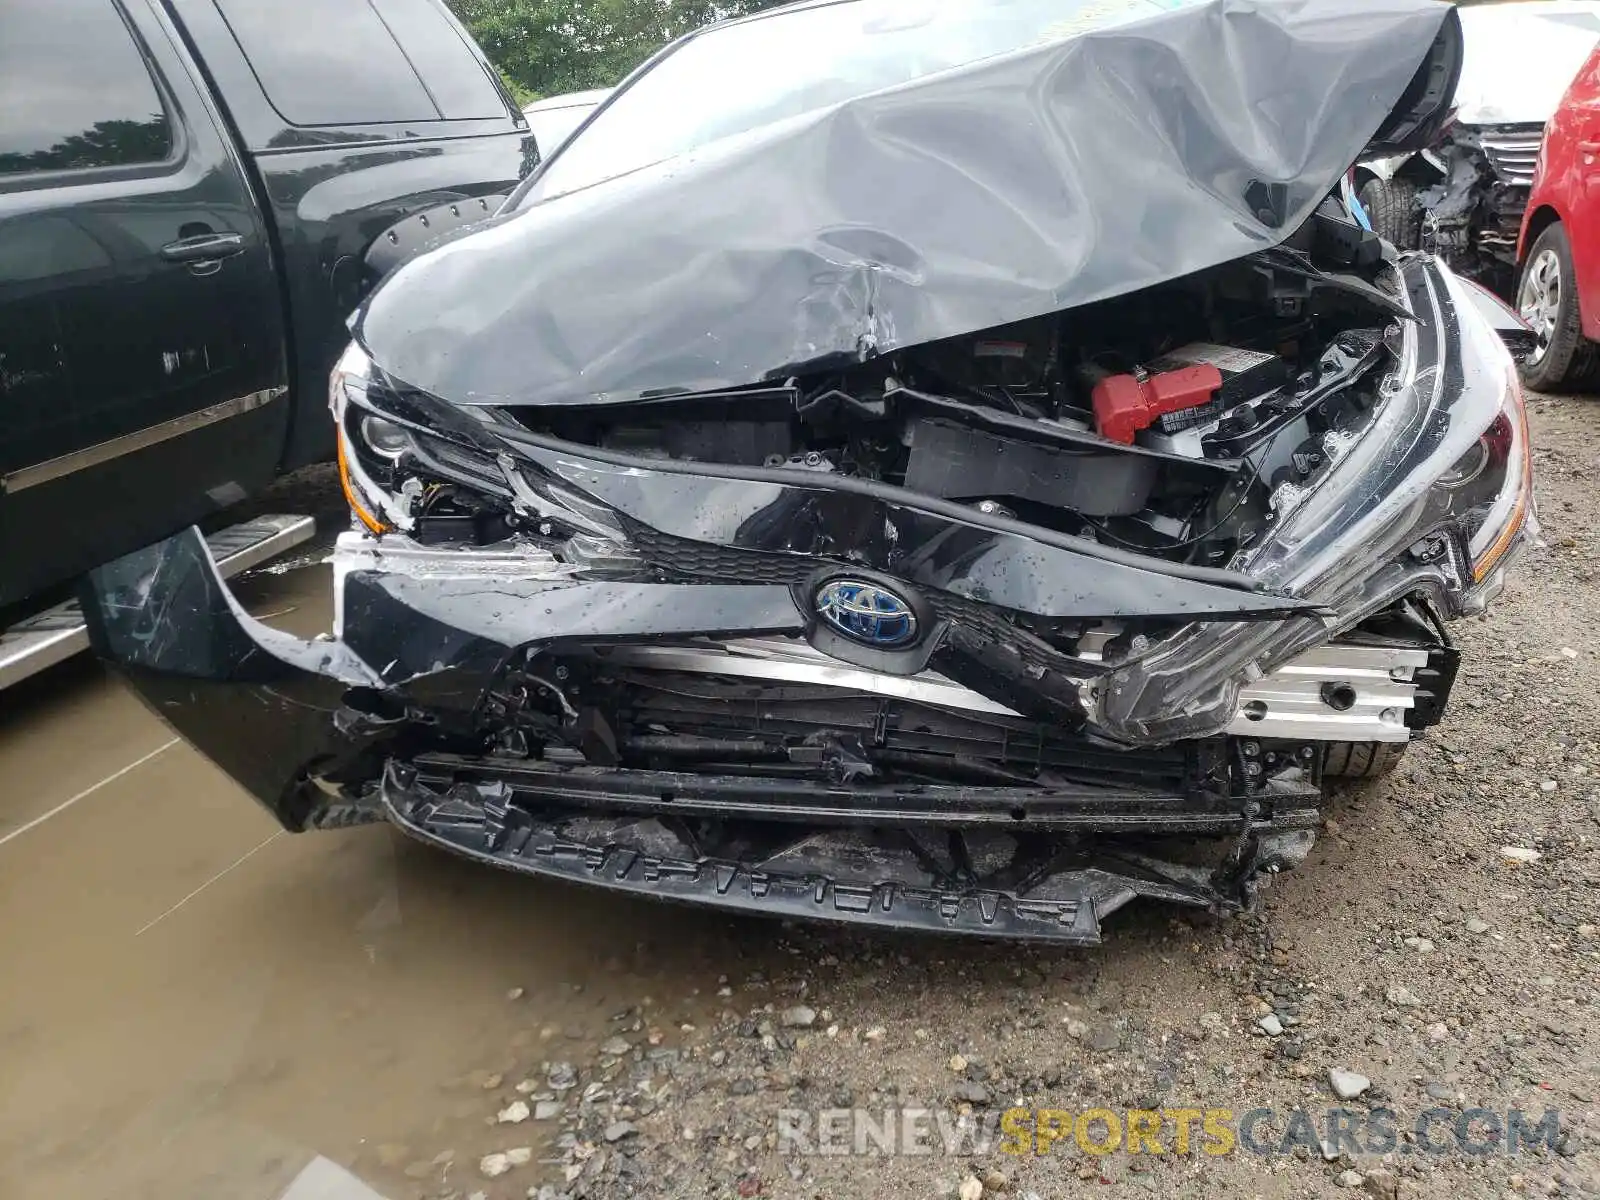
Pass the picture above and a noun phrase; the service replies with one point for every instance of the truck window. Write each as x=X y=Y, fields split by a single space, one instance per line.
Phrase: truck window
x=457 y=78
x=75 y=91
x=327 y=62
x=361 y=62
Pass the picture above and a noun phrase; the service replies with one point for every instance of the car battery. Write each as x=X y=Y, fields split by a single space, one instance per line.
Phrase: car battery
x=1246 y=374
x=1127 y=404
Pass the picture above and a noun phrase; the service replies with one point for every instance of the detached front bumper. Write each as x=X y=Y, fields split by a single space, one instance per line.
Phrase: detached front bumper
x=409 y=717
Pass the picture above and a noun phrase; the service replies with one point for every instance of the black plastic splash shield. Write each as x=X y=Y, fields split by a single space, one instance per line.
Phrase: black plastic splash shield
x=1132 y=144
x=975 y=881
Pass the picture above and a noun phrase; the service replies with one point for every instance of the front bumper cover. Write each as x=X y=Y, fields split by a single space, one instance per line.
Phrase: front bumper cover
x=322 y=738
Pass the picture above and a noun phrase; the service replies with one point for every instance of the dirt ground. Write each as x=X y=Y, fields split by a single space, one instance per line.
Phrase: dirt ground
x=198 y=1006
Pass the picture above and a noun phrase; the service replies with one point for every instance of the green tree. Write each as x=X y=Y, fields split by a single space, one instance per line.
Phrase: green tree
x=545 y=47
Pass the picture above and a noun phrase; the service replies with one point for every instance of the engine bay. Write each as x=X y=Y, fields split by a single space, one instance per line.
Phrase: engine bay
x=1177 y=421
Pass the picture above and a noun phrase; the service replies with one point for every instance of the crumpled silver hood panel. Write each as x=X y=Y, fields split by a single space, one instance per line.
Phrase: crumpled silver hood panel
x=1089 y=166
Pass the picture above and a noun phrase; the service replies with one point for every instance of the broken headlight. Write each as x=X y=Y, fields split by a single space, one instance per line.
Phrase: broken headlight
x=384 y=439
x=411 y=464
x=1495 y=482
x=1433 y=496
x=369 y=447
x=400 y=473
x=1441 y=476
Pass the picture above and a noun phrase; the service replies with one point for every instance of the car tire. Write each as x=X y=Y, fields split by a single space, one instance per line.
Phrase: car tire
x=1547 y=298
x=1391 y=206
x=1362 y=760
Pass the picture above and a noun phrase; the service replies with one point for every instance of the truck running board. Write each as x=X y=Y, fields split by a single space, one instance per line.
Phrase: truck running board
x=58 y=633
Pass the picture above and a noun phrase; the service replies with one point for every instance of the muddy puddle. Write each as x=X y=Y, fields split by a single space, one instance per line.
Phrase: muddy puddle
x=197 y=1005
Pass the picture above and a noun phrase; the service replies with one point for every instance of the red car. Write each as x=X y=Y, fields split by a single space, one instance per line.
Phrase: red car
x=1559 y=249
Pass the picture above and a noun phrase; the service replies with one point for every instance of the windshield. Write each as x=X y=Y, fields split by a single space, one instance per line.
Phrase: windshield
x=741 y=76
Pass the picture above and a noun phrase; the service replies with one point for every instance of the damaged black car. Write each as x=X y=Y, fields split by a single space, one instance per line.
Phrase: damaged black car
x=942 y=465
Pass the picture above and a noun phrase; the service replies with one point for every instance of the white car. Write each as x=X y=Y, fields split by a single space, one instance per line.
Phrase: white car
x=1464 y=198
x=555 y=118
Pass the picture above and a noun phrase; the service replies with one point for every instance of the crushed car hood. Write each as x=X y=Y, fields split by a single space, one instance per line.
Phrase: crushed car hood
x=1121 y=154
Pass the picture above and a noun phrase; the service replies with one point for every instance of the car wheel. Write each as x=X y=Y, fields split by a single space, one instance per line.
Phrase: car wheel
x=1391 y=206
x=1362 y=760
x=1547 y=298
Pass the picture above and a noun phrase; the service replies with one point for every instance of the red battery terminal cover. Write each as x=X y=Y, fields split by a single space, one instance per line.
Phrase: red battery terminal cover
x=1125 y=404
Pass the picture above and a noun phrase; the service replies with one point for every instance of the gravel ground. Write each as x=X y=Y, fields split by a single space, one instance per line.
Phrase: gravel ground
x=1409 y=949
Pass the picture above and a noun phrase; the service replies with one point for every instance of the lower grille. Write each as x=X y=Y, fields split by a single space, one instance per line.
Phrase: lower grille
x=666 y=717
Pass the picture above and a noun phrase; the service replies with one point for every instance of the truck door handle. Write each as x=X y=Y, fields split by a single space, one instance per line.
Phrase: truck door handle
x=203 y=247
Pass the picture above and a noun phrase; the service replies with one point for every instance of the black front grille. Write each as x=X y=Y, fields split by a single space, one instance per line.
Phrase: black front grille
x=683 y=558
x=706 y=562
x=989 y=621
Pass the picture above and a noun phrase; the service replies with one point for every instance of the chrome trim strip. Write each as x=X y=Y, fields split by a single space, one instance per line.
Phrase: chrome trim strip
x=1291 y=696
x=103 y=452
x=780 y=660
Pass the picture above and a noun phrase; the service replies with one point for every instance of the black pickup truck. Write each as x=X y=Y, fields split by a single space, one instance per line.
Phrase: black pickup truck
x=189 y=190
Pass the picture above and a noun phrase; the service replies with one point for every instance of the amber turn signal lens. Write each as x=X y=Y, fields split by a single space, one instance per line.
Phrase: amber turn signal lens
x=351 y=495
